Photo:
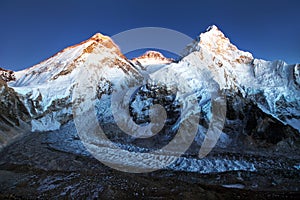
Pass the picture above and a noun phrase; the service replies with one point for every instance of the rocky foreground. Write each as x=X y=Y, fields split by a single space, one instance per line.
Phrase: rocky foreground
x=56 y=165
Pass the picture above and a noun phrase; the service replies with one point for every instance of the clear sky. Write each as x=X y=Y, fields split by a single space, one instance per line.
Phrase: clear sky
x=33 y=30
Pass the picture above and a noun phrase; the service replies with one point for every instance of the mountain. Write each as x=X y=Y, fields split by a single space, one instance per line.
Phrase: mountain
x=271 y=87
x=262 y=98
x=14 y=118
x=265 y=83
x=46 y=88
x=152 y=58
x=217 y=96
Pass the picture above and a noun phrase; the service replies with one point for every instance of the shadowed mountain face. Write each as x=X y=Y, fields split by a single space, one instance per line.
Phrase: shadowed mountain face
x=256 y=153
x=14 y=117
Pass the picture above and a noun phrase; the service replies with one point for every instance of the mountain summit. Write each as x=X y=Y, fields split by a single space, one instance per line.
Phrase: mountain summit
x=217 y=44
x=107 y=42
x=67 y=60
x=152 y=57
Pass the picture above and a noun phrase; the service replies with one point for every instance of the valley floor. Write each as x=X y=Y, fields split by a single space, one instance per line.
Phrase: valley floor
x=34 y=168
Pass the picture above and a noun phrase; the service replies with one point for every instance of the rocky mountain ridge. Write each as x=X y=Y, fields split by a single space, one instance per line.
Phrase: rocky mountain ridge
x=251 y=86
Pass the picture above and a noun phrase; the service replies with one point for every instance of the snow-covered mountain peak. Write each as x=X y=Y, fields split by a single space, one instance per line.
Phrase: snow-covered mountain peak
x=47 y=87
x=105 y=41
x=67 y=60
x=212 y=28
x=214 y=41
x=152 y=58
x=100 y=37
x=214 y=45
x=213 y=37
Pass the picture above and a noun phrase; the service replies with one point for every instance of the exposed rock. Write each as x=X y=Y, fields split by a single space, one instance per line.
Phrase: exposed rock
x=7 y=75
x=13 y=115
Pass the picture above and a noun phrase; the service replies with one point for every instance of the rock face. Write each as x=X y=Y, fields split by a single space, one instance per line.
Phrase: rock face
x=250 y=127
x=7 y=75
x=13 y=115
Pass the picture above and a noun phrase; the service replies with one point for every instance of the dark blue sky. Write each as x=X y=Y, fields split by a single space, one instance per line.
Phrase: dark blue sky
x=34 y=30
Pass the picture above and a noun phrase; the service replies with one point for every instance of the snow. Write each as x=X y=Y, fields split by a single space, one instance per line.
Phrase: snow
x=100 y=36
x=45 y=71
x=234 y=69
x=152 y=58
x=237 y=185
x=44 y=85
x=138 y=104
x=297 y=166
x=152 y=61
x=47 y=123
x=294 y=123
x=151 y=161
x=213 y=63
